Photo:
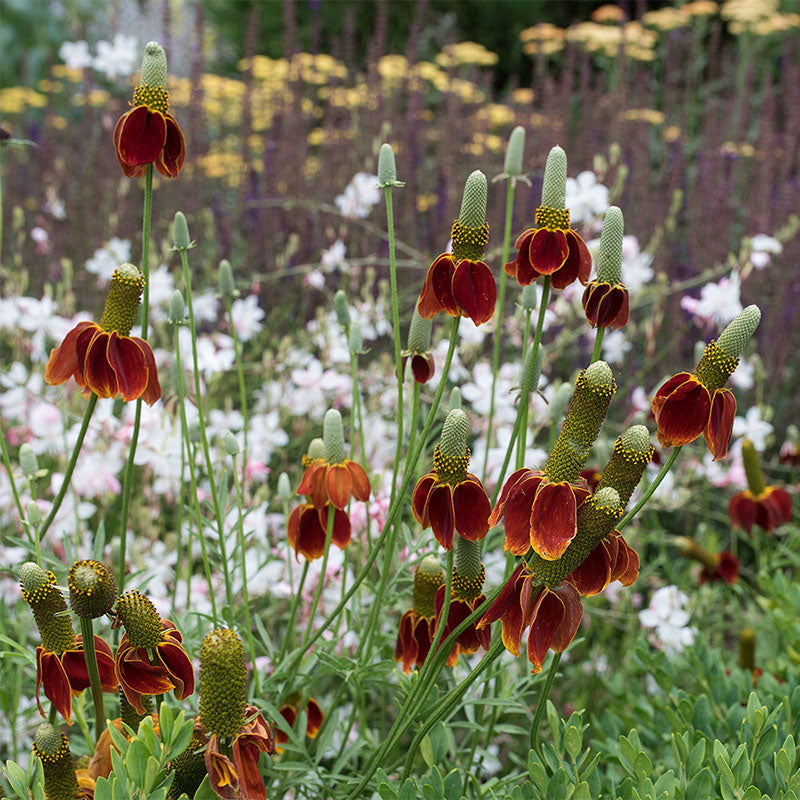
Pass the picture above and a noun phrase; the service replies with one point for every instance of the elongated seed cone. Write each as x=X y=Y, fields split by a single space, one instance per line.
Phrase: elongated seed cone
x=140 y=619
x=40 y=590
x=52 y=747
x=92 y=588
x=223 y=682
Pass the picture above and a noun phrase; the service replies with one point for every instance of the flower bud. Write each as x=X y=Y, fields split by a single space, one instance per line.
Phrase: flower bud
x=632 y=453
x=468 y=571
x=154 y=65
x=387 y=170
x=739 y=331
x=52 y=746
x=284 y=487
x=752 y=469
x=177 y=308
x=516 y=145
x=531 y=370
x=453 y=441
x=471 y=231
x=223 y=683
x=195 y=432
x=333 y=436
x=530 y=300
x=28 y=461
x=428 y=577
x=747 y=649
x=609 y=259
x=180 y=232
x=231 y=444
x=225 y=282
x=554 y=187
x=419 y=333
x=354 y=341
x=341 y=309
x=316 y=449
x=455 y=398
x=34 y=514
x=92 y=588
x=139 y=617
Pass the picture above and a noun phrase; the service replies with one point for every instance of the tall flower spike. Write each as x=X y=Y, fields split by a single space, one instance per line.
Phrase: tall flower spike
x=423 y=366
x=632 y=453
x=605 y=299
x=512 y=166
x=769 y=507
x=551 y=247
x=416 y=628
x=105 y=358
x=689 y=404
x=387 y=170
x=461 y=284
x=92 y=588
x=52 y=747
x=148 y=133
x=449 y=498
x=722 y=566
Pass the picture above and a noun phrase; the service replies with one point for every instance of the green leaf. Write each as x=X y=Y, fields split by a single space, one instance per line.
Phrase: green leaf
x=408 y=791
x=721 y=760
x=642 y=766
x=697 y=755
x=102 y=789
x=181 y=736
x=166 y=721
x=136 y=762
x=452 y=786
x=386 y=792
x=426 y=748
x=701 y=785
x=204 y=791
x=766 y=745
x=788 y=746
x=554 y=723
x=740 y=765
x=629 y=753
x=752 y=793
x=582 y=792
x=573 y=741
x=702 y=718
x=557 y=786
x=436 y=782
x=118 y=740
x=666 y=784
x=17 y=778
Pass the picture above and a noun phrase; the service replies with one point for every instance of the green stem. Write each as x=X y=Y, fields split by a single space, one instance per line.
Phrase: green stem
x=412 y=434
x=394 y=508
x=87 y=415
x=203 y=436
x=237 y=349
x=11 y=481
x=648 y=492
x=137 y=419
x=321 y=580
x=398 y=361
x=542 y=702
x=87 y=634
x=598 y=345
x=293 y=613
x=522 y=412
x=179 y=530
x=448 y=596
x=243 y=566
x=193 y=488
x=501 y=296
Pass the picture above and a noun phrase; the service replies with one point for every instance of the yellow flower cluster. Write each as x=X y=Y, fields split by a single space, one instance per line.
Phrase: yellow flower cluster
x=644 y=115
x=543 y=38
x=636 y=41
x=17 y=99
x=758 y=17
x=466 y=53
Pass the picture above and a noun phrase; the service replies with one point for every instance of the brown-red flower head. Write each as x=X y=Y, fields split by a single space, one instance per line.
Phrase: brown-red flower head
x=417 y=625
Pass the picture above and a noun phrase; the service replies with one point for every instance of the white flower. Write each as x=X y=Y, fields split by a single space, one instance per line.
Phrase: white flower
x=247 y=316
x=586 y=199
x=743 y=375
x=719 y=302
x=117 y=59
x=333 y=257
x=359 y=196
x=615 y=346
x=314 y=280
x=636 y=265
x=669 y=619
x=107 y=258
x=763 y=247
x=75 y=55
x=752 y=427
x=161 y=286
x=204 y=306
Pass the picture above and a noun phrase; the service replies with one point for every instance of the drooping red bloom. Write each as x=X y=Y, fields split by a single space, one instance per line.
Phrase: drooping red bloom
x=551 y=248
x=149 y=134
x=106 y=363
x=289 y=711
x=172 y=671
x=65 y=675
x=553 y=615
x=449 y=499
x=323 y=481
x=539 y=513
x=423 y=367
x=414 y=638
x=726 y=569
x=684 y=408
x=612 y=560
x=239 y=778
x=308 y=526
x=470 y=640
x=606 y=305
x=769 y=509
x=463 y=288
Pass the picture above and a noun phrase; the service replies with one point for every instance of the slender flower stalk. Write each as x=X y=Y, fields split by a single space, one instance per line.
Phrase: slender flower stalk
x=183 y=243
x=127 y=484
x=237 y=347
x=321 y=580
x=544 y=693
x=288 y=640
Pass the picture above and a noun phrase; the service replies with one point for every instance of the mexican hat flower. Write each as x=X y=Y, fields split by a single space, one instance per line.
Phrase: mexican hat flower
x=689 y=404
x=417 y=625
x=150 y=658
x=148 y=133
x=104 y=358
x=540 y=507
x=613 y=559
x=769 y=507
x=722 y=566
x=61 y=781
x=237 y=731
x=551 y=247
x=460 y=283
x=606 y=301
x=423 y=366
x=190 y=766
x=330 y=476
x=307 y=529
x=60 y=660
x=448 y=498
x=290 y=711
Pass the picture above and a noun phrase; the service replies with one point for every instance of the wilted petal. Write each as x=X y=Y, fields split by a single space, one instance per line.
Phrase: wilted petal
x=361 y=488
x=437 y=291
x=53 y=677
x=682 y=412
x=339 y=483
x=179 y=667
x=720 y=422
x=153 y=391
x=170 y=160
x=63 y=361
x=742 y=511
x=420 y=497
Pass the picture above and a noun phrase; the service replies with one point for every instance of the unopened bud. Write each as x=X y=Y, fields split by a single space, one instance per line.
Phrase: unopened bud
x=531 y=369
x=354 y=341
x=227 y=286
x=154 y=65
x=341 y=309
x=738 y=332
x=530 y=299
x=455 y=398
x=473 y=202
x=387 y=170
x=554 y=187
x=333 y=436
x=453 y=442
x=419 y=333
x=231 y=444
x=609 y=259
x=514 y=151
x=180 y=232
x=195 y=432
x=34 y=514
x=28 y=461
x=284 y=487
x=177 y=308
x=316 y=449
x=747 y=649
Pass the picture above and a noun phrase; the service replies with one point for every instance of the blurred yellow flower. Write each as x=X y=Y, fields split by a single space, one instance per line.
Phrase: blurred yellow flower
x=433 y=74
x=608 y=13
x=496 y=114
x=461 y=53
x=61 y=71
x=466 y=90
x=644 y=115
x=744 y=149
x=97 y=98
x=700 y=8
x=665 y=19
x=542 y=38
x=17 y=99
x=425 y=201
x=523 y=96
x=671 y=133
x=746 y=11
x=49 y=86
x=59 y=123
x=607 y=39
x=311 y=167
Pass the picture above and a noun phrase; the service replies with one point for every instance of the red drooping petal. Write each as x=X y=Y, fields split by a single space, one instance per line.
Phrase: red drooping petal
x=510 y=483
x=53 y=677
x=583 y=255
x=130 y=171
x=314 y=718
x=221 y=772
x=405 y=648
x=153 y=391
x=341 y=526
x=573 y=612
x=570 y=270
x=170 y=159
x=553 y=521
x=720 y=422
x=547 y=614
x=63 y=362
x=305 y=533
x=547 y=251
x=97 y=372
x=518 y=513
x=423 y=367
x=437 y=291
x=312 y=483
x=780 y=504
x=507 y=606
x=592 y=295
x=681 y=412
x=728 y=567
x=128 y=361
x=137 y=674
x=742 y=511
x=339 y=483
x=361 y=488
x=420 y=497
x=248 y=745
x=179 y=667
x=521 y=268
x=626 y=567
x=472 y=509
x=623 y=315
x=440 y=513
x=474 y=290
x=593 y=574
x=141 y=135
